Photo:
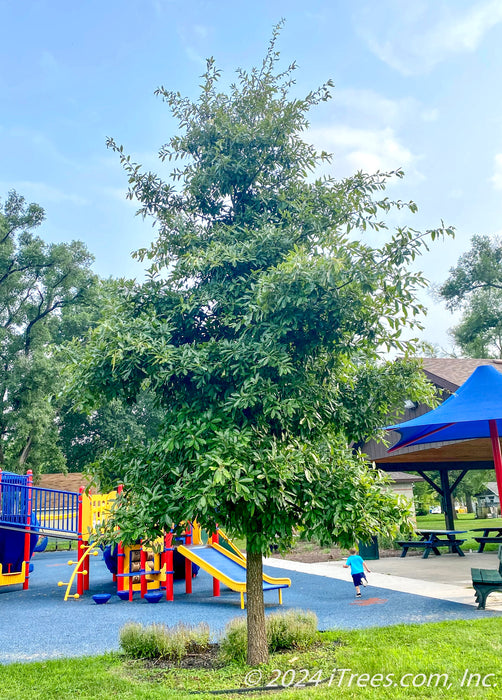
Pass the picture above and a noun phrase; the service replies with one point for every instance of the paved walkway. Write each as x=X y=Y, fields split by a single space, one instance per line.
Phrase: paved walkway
x=447 y=577
x=37 y=624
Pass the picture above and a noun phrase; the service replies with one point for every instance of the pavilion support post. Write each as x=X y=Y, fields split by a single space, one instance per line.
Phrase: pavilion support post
x=497 y=457
x=449 y=513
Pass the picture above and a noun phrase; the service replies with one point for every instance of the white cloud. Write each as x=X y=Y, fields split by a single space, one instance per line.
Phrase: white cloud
x=194 y=56
x=496 y=178
x=429 y=115
x=363 y=149
x=369 y=107
x=422 y=35
x=201 y=31
x=369 y=104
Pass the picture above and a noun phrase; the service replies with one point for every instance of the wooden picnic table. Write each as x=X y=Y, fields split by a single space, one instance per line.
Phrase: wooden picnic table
x=487 y=537
x=431 y=540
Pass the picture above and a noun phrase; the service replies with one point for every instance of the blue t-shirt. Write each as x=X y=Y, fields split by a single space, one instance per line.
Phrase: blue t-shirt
x=356 y=564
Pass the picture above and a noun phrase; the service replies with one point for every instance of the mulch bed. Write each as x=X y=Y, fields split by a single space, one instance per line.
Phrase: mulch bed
x=205 y=659
x=309 y=553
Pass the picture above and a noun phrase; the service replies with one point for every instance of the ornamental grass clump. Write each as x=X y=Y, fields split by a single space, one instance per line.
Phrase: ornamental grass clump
x=294 y=629
x=234 y=644
x=159 y=641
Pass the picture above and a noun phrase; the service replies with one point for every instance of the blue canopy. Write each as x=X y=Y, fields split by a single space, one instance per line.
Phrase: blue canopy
x=464 y=415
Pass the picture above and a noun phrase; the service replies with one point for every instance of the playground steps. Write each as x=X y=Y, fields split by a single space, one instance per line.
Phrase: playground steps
x=10 y=578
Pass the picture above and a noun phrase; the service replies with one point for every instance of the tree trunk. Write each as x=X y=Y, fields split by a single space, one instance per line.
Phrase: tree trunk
x=26 y=451
x=469 y=503
x=257 y=635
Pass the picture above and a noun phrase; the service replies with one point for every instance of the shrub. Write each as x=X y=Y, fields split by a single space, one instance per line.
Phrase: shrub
x=233 y=645
x=162 y=642
x=293 y=629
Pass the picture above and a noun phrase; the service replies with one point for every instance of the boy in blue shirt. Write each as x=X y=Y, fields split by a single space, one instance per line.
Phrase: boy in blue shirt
x=357 y=567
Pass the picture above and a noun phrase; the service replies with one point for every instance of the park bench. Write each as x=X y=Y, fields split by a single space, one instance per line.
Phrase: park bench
x=487 y=540
x=417 y=544
x=491 y=535
x=431 y=540
x=486 y=581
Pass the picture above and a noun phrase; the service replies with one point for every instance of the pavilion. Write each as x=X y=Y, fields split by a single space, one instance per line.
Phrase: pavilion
x=443 y=457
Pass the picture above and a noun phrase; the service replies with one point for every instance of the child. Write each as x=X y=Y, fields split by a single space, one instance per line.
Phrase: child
x=357 y=567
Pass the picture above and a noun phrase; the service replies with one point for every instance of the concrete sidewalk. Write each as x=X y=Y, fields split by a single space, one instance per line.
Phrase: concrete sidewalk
x=447 y=577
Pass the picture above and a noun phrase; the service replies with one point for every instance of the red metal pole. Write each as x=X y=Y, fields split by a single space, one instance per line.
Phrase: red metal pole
x=188 y=563
x=216 y=583
x=80 y=547
x=120 y=558
x=143 y=581
x=168 y=559
x=497 y=456
x=27 y=534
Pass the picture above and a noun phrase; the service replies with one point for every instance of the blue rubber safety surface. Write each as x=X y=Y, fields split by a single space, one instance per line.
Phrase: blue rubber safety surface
x=37 y=624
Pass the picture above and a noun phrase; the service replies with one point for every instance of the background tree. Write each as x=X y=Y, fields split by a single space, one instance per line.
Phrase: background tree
x=475 y=287
x=84 y=437
x=258 y=331
x=471 y=484
x=38 y=282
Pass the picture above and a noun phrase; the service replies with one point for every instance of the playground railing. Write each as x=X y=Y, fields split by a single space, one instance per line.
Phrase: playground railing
x=56 y=511
x=53 y=511
x=14 y=498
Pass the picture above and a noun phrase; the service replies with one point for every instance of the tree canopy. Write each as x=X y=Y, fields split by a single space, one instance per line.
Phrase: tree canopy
x=474 y=286
x=38 y=283
x=259 y=330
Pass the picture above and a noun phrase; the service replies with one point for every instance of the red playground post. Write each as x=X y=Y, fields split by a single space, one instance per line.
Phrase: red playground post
x=216 y=584
x=168 y=561
x=188 y=563
x=80 y=547
x=120 y=557
x=143 y=581
x=27 y=534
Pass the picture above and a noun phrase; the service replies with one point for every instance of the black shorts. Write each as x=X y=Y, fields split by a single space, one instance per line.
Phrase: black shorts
x=357 y=578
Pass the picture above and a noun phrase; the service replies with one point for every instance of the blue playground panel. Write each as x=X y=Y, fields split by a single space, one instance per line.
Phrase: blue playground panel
x=37 y=624
x=13 y=517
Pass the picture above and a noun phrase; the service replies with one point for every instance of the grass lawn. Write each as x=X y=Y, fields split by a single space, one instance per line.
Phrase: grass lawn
x=384 y=662
x=463 y=521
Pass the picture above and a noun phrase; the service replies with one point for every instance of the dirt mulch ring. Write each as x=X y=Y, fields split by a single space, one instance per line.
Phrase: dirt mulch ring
x=204 y=659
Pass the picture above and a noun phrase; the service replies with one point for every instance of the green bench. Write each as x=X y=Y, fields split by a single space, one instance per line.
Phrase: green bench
x=485 y=581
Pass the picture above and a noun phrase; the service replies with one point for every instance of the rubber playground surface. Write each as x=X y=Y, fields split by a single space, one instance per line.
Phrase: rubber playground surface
x=37 y=624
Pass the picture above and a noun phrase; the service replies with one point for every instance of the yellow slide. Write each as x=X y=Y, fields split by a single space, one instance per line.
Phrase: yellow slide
x=229 y=568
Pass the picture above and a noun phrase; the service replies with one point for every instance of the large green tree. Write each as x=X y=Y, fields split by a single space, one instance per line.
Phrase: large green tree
x=474 y=287
x=259 y=331
x=84 y=437
x=38 y=283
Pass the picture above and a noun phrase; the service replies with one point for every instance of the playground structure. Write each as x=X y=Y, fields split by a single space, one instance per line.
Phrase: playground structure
x=28 y=511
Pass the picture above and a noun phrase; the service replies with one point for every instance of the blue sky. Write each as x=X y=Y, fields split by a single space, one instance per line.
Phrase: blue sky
x=417 y=86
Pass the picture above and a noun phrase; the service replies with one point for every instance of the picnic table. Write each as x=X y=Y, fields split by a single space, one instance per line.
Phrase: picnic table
x=487 y=537
x=431 y=540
